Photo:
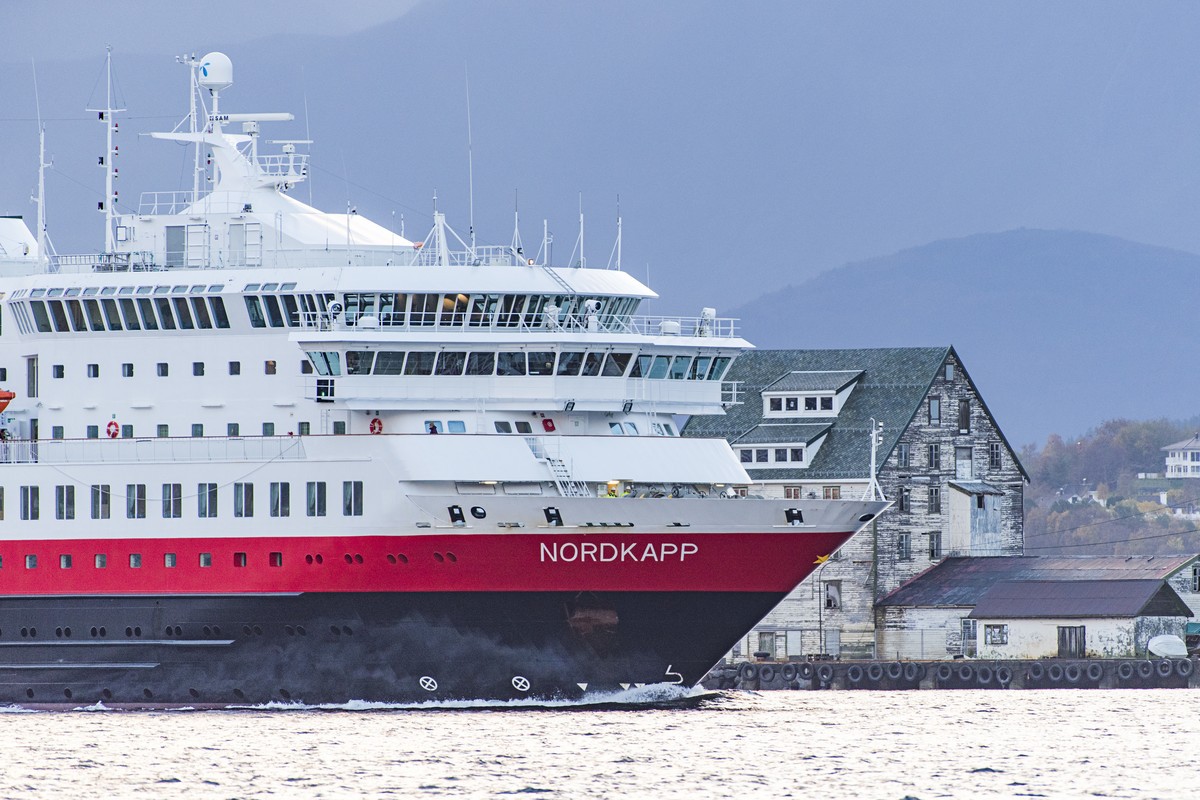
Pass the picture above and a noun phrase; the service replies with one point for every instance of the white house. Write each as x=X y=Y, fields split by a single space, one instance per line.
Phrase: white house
x=1183 y=458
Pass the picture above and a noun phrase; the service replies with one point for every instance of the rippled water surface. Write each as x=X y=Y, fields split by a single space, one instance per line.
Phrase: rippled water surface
x=921 y=744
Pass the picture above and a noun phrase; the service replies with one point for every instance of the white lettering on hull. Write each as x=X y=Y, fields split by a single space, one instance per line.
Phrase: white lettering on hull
x=607 y=552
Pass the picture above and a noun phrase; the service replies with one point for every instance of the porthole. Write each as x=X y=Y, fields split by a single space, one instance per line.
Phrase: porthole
x=207 y=630
x=451 y=556
x=346 y=630
x=308 y=559
x=289 y=630
x=25 y=633
x=106 y=694
x=285 y=694
x=320 y=558
x=148 y=694
x=29 y=693
x=300 y=630
x=239 y=694
x=478 y=512
x=67 y=693
x=403 y=558
x=94 y=632
x=358 y=559
x=170 y=630
x=58 y=632
x=246 y=629
x=438 y=557
x=128 y=632
x=103 y=631
x=335 y=630
x=349 y=558
x=33 y=633
x=216 y=630
x=257 y=630
x=178 y=631
x=193 y=693
x=866 y=518
x=67 y=632
x=137 y=631
x=391 y=559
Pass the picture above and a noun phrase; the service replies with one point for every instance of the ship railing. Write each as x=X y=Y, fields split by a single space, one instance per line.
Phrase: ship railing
x=166 y=202
x=479 y=256
x=91 y=451
x=136 y=261
x=416 y=321
x=289 y=166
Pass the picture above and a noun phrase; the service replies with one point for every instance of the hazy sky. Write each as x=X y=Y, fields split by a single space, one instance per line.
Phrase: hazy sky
x=752 y=144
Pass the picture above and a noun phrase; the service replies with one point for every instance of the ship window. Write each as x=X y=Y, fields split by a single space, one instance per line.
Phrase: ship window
x=512 y=363
x=270 y=367
x=328 y=362
x=503 y=427
x=164 y=430
x=419 y=363
x=169 y=560
x=239 y=559
x=235 y=368
x=718 y=368
x=389 y=362
x=270 y=287
x=616 y=364
x=570 y=363
x=218 y=309
x=243 y=499
x=392 y=308
x=164 y=311
x=135 y=560
x=57 y=432
x=254 y=309
x=183 y=313
x=101 y=498
x=129 y=314
x=146 y=311
x=662 y=365
x=483 y=307
x=302 y=428
x=274 y=315
x=524 y=427
x=510 y=311
x=95 y=318
x=679 y=367
x=268 y=429
x=64 y=561
x=292 y=315
x=456 y=426
x=541 y=363
x=315 y=505
x=206 y=559
x=201 y=311
x=135 y=501
x=339 y=427
x=358 y=362
x=251 y=287
x=616 y=429
x=481 y=363
x=424 y=309
x=352 y=498
x=306 y=367
x=592 y=364
x=64 y=502
x=641 y=367
x=162 y=369
x=126 y=431
x=699 y=368
x=275 y=559
x=57 y=371
x=198 y=368
x=451 y=363
x=75 y=310
x=127 y=370
x=433 y=426
x=93 y=370
x=101 y=561
x=281 y=499
x=172 y=500
x=232 y=429
x=93 y=431
x=59 y=316
x=30 y=562
x=206 y=500
x=40 y=317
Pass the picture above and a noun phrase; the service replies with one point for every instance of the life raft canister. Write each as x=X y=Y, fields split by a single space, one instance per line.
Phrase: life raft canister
x=112 y=429
x=376 y=425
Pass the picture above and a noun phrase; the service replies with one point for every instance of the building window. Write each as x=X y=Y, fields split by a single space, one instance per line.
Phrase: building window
x=93 y=370
x=949 y=371
x=172 y=500
x=781 y=454
x=206 y=500
x=235 y=368
x=316 y=498
x=747 y=456
x=903 y=457
x=269 y=367
x=935 y=546
x=64 y=502
x=243 y=499
x=832 y=492
x=163 y=431
x=281 y=499
x=198 y=368
x=793 y=492
x=904 y=546
x=352 y=498
x=101 y=499
x=197 y=430
x=827 y=404
x=935 y=411
x=833 y=594
x=760 y=456
x=964 y=416
x=127 y=370
x=981 y=501
x=935 y=499
x=995 y=634
x=766 y=643
x=810 y=404
x=798 y=455
x=163 y=369
x=935 y=457
x=135 y=501
x=994 y=455
x=904 y=500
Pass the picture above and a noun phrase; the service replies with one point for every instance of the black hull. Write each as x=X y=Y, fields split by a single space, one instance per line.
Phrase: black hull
x=376 y=647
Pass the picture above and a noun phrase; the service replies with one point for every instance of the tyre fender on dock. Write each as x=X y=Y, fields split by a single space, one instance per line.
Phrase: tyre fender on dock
x=806 y=671
x=1055 y=673
x=854 y=674
x=984 y=676
x=914 y=672
x=788 y=672
x=1094 y=672
x=1164 y=668
x=1004 y=676
x=1145 y=669
x=747 y=672
x=966 y=673
x=895 y=670
x=1073 y=672
x=944 y=672
x=1184 y=667
x=1125 y=670
x=766 y=673
x=825 y=673
x=875 y=672
x=1036 y=671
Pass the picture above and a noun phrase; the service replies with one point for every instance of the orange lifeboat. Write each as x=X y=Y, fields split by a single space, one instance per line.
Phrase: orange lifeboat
x=6 y=397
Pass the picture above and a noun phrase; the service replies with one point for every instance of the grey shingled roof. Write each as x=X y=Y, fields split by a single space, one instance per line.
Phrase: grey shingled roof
x=1187 y=444
x=784 y=433
x=894 y=382
x=961 y=581
x=798 y=381
x=1079 y=599
x=976 y=487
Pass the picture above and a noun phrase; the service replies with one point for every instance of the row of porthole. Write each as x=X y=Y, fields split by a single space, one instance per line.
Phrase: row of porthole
x=31 y=632
x=176 y=630
x=397 y=558
x=107 y=694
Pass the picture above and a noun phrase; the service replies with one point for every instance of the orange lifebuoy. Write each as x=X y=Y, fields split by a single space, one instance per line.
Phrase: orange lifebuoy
x=376 y=425
x=113 y=429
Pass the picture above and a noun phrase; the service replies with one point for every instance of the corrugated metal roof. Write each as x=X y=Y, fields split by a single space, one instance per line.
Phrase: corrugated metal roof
x=1079 y=599
x=961 y=581
x=775 y=433
x=814 y=381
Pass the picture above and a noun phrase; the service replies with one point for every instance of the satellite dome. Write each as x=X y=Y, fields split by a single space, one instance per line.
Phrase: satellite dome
x=216 y=72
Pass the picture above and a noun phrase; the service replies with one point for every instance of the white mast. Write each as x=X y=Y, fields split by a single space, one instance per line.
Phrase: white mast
x=874 y=491
x=110 y=154
x=470 y=168
x=42 y=164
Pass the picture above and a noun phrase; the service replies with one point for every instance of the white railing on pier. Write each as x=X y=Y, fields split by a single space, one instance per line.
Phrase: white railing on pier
x=115 y=451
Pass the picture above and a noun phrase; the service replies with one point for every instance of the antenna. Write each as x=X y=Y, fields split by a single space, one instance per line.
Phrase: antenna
x=616 y=251
x=193 y=65
x=579 y=241
x=110 y=153
x=42 y=164
x=308 y=135
x=470 y=166
x=518 y=247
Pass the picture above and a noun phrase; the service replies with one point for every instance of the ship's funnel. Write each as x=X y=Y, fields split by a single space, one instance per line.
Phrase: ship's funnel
x=216 y=72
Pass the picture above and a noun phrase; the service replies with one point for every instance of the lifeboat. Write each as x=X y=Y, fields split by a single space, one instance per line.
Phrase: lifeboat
x=6 y=397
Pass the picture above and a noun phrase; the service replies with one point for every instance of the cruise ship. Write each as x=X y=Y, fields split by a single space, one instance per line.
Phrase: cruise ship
x=253 y=452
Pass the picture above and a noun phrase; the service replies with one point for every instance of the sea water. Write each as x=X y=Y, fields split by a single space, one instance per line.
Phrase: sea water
x=830 y=744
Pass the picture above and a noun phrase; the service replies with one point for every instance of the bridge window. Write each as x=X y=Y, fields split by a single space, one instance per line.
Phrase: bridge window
x=510 y=363
x=451 y=363
x=419 y=363
x=481 y=363
x=570 y=363
x=389 y=363
x=679 y=367
x=129 y=313
x=254 y=309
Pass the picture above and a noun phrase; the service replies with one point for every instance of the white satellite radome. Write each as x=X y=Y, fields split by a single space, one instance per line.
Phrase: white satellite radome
x=216 y=72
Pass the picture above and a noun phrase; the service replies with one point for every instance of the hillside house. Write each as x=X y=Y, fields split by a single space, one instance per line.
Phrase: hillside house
x=804 y=431
x=1183 y=458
